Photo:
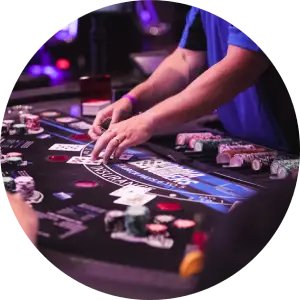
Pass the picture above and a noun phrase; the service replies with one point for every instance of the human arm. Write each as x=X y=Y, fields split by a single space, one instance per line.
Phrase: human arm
x=175 y=73
x=171 y=77
x=239 y=70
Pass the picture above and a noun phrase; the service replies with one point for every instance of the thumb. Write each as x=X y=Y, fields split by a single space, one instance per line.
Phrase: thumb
x=116 y=116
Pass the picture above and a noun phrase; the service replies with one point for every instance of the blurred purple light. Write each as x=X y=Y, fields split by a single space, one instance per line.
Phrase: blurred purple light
x=62 y=35
x=51 y=71
x=35 y=70
x=75 y=110
x=145 y=16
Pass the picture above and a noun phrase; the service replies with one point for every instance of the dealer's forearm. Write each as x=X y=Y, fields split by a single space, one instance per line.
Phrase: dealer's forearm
x=218 y=85
x=170 y=78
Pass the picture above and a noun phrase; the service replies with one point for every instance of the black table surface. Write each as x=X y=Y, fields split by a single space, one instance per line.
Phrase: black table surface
x=128 y=271
x=126 y=280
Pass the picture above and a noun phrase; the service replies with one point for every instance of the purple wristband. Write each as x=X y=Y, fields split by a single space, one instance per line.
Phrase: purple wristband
x=132 y=100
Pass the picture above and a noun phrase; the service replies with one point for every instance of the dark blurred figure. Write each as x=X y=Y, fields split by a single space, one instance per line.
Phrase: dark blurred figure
x=244 y=232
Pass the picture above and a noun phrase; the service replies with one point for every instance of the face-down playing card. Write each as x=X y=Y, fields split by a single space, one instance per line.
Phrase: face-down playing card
x=84 y=160
x=66 y=147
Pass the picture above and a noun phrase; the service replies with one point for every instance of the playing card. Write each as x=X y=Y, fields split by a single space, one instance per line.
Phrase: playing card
x=138 y=200
x=66 y=147
x=66 y=119
x=81 y=125
x=125 y=156
x=84 y=160
x=130 y=190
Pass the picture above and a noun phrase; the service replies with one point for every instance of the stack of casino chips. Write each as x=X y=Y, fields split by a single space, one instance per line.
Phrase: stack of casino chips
x=115 y=221
x=136 y=219
x=282 y=168
x=196 y=138
x=210 y=144
x=32 y=122
x=261 y=163
x=285 y=163
x=225 y=156
x=7 y=126
x=234 y=146
x=14 y=160
x=245 y=159
x=25 y=186
x=183 y=139
x=9 y=184
x=4 y=129
x=20 y=129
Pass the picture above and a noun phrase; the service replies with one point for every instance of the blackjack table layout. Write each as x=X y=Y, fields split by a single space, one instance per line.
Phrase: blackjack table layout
x=131 y=219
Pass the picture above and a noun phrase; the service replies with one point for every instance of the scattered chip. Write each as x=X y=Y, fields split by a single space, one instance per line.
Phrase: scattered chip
x=81 y=137
x=184 y=224
x=86 y=184
x=164 y=218
x=156 y=228
x=58 y=158
x=50 y=114
x=169 y=206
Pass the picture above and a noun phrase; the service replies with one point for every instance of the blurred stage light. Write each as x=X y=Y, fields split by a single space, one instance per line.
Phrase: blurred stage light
x=63 y=64
x=51 y=71
x=35 y=70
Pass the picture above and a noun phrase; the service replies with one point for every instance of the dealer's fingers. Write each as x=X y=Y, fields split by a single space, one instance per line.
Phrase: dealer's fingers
x=116 y=116
x=122 y=147
x=92 y=134
x=112 y=146
x=102 y=142
x=97 y=123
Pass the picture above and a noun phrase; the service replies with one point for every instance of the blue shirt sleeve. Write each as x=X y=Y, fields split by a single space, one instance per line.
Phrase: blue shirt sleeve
x=239 y=39
x=193 y=37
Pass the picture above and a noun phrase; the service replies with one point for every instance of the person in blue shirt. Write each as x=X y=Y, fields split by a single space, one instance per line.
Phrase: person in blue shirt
x=215 y=67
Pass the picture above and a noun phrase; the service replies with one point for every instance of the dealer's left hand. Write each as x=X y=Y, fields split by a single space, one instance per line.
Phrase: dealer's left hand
x=120 y=136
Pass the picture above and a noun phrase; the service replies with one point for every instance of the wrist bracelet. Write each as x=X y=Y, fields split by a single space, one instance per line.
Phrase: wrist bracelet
x=132 y=100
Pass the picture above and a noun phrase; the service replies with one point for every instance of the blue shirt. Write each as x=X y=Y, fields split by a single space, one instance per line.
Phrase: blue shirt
x=250 y=114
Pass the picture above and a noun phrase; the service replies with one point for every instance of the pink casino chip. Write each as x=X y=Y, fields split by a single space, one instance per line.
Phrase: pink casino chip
x=13 y=154
x=156 y=228
x=184 y=224
x=86 y=184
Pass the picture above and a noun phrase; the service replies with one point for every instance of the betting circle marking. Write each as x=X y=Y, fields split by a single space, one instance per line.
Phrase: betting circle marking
x=160 y=191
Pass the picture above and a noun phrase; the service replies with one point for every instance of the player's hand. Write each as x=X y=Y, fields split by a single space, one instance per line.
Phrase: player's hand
x=25 y=215
x=119 y=111
x=123 y=135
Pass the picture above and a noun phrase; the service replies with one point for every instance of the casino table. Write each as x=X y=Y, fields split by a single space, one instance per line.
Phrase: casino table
x=73 y=195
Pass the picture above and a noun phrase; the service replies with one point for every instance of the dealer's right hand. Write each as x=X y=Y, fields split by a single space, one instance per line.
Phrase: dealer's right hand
x=118 y=111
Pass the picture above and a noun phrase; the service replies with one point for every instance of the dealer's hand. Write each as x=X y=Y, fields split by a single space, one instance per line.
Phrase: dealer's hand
x=25 y=215
x=125 y=134
x=120 y=110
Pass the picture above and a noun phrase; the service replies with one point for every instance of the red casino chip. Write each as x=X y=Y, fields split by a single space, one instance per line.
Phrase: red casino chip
x=200 y=239
x=58 y=158
x=169 y=206
x=86 y=184
x=13 y=154
x=81 y=137
x=156 y=228
x=184 y=224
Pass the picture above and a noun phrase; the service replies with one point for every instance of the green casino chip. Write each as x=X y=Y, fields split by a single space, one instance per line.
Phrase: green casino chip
x=9 y=184
x=20 y=129
x=209 y=145
x=15 y=160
